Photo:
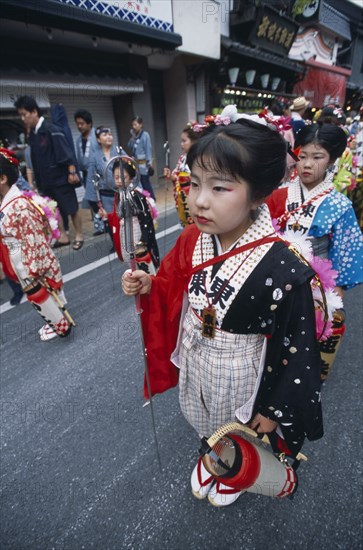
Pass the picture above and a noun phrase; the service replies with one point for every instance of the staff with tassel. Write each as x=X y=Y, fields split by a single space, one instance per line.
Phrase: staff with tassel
x=127 y=211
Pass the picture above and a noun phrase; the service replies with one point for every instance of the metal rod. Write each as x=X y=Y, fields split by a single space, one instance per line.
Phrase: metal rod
x=127 y=211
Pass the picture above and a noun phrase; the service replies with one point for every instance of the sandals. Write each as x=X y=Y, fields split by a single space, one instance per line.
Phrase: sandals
x=77 y=245
x=58 y=244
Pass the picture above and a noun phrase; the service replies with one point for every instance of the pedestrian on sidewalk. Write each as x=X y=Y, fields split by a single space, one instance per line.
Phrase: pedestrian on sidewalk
x=141 y=149
x=54 y=167
x=103 y=151
x=85 y=143
x=231 y=304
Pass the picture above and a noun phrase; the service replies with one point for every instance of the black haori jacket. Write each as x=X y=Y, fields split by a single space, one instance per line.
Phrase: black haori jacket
x=275 y=300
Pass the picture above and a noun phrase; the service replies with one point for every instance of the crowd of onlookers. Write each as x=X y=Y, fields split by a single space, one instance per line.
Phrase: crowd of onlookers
x=56 y=166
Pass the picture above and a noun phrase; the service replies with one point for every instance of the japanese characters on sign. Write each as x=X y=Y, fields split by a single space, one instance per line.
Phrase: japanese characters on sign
x=273 y=32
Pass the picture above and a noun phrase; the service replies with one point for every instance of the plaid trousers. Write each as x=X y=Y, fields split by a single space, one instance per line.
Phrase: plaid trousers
x=217 y=376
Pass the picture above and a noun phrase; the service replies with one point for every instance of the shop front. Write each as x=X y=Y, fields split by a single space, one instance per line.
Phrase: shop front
x=252 y=78
x=92 y=55
x=255 y=69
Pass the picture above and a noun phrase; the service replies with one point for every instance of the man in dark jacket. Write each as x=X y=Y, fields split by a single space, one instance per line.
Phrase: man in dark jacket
x=54 y=166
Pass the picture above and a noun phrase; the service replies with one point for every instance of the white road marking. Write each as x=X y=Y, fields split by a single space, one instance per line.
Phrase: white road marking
x=93 y=265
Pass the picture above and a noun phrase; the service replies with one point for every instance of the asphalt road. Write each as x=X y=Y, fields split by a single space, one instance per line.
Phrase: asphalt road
x=78 y=461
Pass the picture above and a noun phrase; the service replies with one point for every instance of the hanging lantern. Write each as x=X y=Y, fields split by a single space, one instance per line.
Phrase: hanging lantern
x=275 y=83
x=250 y=76
x=264 y=80
x=233 y=75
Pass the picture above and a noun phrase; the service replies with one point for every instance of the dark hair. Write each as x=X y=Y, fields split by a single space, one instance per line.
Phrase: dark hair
x=332 y=115
x=245 y=150
x=102 y=130
x=330 y=137
x=28 y=103
x=192 y=135
x=126 y=166
x=277 y=108
x=85 y=115
x=138 y=119
x=9 y=170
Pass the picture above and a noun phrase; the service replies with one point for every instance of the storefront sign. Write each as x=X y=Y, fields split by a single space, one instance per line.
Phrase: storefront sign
x=273 y=32
x=151 y=13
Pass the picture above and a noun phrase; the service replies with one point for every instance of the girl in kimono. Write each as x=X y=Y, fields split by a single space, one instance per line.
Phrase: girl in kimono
x=310 y=207
x=147 y=252
x=230 y=313
x=180 y=176
x=25 y=252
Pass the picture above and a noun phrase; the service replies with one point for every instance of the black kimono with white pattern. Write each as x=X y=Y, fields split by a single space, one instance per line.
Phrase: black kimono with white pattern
x=275 y=300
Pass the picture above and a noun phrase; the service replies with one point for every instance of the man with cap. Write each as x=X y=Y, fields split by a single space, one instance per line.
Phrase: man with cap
x=298 y=108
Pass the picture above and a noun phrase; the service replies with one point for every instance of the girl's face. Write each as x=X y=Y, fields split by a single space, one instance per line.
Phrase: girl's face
x=105 y=139
x=117 y=177
x=311 y=168
x=185 y=142
x=4 y=185
x=220 y=204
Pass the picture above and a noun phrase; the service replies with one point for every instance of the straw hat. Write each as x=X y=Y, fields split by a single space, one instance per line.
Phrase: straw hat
x=299 y=103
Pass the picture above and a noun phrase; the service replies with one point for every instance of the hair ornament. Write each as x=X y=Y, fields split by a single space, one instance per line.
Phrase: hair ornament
x=102 y=130
x=332 y=110
x=9 y=156
x=210 y=120
x=281 y=123
x=231 y=112
x=294 y=153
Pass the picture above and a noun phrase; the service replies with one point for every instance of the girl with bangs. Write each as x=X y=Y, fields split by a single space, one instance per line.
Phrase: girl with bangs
x=230 y=314
x=180 y=176
x=310 y=209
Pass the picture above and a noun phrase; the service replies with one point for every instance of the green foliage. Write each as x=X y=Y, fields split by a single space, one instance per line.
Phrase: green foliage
x=299 y=7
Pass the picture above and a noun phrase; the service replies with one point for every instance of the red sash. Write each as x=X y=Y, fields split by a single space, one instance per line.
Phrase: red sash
x=235 y=251
x=5 y=261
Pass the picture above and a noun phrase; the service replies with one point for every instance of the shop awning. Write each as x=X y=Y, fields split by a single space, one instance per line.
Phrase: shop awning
x=259 y=55
x=323 y=84
x=48 y=13
x=40 y=88
x=34 y=70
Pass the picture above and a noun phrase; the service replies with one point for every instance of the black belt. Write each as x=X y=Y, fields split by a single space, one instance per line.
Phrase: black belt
x=107 y=193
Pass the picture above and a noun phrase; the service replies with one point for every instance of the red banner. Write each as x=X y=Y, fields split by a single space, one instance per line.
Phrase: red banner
x=322 y=86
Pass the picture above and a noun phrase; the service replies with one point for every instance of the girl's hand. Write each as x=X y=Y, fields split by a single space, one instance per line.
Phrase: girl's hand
x=339 y=291
x=102 y=213
x=264 y=425
x=135 y=282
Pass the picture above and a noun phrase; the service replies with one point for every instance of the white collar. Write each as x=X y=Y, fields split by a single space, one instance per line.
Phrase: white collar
x=13 y=192
x=39 y=123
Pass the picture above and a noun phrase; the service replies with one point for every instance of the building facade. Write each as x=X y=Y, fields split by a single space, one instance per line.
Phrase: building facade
x=171 y=61
x=115 y=59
